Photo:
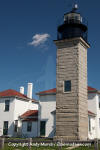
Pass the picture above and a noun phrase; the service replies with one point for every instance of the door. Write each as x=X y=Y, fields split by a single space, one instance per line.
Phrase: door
x=42 y=128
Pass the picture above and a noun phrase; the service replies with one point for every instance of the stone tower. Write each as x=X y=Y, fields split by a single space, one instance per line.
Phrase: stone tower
x=71 y=82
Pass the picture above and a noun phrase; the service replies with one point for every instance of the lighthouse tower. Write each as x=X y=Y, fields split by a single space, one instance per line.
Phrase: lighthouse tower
x=71 y=78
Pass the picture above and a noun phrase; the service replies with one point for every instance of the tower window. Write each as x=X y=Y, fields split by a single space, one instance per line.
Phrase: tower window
x=67 y=86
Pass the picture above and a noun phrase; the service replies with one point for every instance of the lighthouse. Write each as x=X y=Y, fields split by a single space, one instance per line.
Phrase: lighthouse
x=71 y=77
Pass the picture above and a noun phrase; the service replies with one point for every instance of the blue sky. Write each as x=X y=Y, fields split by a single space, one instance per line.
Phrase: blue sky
x=25 y=56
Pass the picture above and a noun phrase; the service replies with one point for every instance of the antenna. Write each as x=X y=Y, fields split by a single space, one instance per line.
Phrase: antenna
x=71 y=4
x=75 y=7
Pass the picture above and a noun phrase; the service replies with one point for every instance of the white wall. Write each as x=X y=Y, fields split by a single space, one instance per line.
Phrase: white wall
x=17 y=108
x=92 y=133
x=92 y=102
x=21 y=106
x=34 y=131
x=47 y=105
x=93 y=105
x=98 y=117
x=7 y=115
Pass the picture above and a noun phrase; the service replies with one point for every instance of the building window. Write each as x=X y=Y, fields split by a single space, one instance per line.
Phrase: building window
x=16 y=126
x=42 y=128
x=7 y=103
x=29 y=126
x=89 y=124
x=5 y=128
x=67 y=86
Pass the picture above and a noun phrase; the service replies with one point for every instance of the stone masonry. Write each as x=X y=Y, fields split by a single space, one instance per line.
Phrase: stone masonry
x=71 y=107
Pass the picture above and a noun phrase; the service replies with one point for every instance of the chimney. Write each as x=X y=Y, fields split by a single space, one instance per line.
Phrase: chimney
x=29 y=90
x=22 y=90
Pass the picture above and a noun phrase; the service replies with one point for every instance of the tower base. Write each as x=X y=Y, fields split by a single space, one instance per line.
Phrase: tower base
x=69 y=138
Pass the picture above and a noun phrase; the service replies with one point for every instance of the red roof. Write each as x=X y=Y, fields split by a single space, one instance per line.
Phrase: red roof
x=30 y=115
x=53 y=91
x=91 y=113
x=11 y=93
x=90 y=89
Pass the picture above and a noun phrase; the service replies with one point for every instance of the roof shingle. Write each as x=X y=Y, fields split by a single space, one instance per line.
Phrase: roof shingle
x=14 y=93
x=30 y=115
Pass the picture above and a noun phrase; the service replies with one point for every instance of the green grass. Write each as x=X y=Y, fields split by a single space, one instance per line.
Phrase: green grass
x=84 y=148
x=46 y=148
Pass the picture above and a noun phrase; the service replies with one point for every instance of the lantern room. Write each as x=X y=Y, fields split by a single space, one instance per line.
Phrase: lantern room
x=74 y=25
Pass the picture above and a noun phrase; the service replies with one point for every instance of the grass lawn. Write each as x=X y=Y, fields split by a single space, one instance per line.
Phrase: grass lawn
x=46 y=148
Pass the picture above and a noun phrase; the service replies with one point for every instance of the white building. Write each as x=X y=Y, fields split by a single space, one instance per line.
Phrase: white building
x=47 y=104
x=22 y=116
x=17 y=111
x=47 y=113
x=94 y=106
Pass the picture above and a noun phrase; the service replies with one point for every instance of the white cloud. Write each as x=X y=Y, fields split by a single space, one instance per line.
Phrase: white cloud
x=39 y=39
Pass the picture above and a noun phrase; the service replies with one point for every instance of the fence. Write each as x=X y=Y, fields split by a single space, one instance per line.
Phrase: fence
x=28 y=142
x=1 y=143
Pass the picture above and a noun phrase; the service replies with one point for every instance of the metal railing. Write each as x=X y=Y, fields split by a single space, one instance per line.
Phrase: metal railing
x=61 y=21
